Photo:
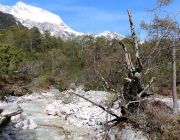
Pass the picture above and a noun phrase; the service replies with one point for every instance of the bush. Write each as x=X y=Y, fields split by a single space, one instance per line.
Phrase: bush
x=158 y=121
x=172 y=130
x=3 y=93
x=178 y=91
x=93 y=85
x=164 y=91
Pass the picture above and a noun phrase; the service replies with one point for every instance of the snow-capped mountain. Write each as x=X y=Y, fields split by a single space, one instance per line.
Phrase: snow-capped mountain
x=31 y=16
x=110 y=35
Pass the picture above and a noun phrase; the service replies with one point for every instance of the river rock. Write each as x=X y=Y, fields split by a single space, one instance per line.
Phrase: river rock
x=10 y=109
x=26 y=124
x=51 y=109
x=81 y=112
x=16 y=118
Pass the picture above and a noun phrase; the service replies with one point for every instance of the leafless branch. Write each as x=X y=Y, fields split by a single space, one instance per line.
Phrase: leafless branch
x=103 y=108
x=147 y=87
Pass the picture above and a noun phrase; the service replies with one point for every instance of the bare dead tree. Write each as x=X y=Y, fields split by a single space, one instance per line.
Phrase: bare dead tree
x=133 y=91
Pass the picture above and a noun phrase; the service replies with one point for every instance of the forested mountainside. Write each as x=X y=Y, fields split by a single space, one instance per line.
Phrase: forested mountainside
x=8 y=20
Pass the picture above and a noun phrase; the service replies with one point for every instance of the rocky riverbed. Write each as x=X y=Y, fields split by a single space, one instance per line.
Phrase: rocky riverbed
x=54 y=115
x=30 y=122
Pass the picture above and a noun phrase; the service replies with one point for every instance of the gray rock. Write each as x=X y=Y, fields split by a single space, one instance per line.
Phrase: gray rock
x=54 y=91
x=10 y=109
x=26 y=124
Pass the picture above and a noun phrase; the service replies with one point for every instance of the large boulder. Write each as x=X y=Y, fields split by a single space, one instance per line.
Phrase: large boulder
x=10 y=109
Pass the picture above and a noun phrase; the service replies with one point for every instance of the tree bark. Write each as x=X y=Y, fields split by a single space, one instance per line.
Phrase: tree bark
x=175 y=106
x=133 y=35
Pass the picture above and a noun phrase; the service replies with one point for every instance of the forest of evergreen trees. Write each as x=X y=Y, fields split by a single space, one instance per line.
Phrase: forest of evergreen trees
x=37 y=61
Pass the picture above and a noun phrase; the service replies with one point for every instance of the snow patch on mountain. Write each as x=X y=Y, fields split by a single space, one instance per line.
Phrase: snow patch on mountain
x=110 y=35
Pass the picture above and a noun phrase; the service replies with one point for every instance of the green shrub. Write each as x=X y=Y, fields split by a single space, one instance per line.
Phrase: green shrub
x=94 y=85
x=3 y=93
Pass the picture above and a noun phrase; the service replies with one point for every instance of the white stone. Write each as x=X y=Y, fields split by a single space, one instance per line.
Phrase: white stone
x=50 y=109
x=26 y=124
x=16 y=118
x=91 y=123
x=10 y=109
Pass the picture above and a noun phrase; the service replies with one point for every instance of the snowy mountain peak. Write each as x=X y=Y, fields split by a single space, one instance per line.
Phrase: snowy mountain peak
x=20 y=4
x=110 y=35
x=28 y=12
x=24 y=11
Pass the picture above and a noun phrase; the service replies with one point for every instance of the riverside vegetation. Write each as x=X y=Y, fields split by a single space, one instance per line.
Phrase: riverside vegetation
x=31 y=61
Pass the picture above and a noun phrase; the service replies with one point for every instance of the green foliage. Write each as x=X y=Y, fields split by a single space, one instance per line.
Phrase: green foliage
x=49 y=60
x=3 y=93
x=94 y=85
x=9 y=58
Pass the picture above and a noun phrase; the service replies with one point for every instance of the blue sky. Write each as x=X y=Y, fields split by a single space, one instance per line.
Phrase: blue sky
x=99 y=15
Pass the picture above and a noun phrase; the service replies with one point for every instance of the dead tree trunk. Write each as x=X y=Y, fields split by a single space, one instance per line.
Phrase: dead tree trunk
x=133 y=92
x=133 y=88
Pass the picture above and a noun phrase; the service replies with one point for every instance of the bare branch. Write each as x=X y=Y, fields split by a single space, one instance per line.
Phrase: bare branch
x=149 y=70
x=147 y=87
x=127 y=56
x=103 y=79
x=131 y=102
x=103 y=108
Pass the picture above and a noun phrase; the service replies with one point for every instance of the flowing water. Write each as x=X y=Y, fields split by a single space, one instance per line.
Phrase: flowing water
x=47 y=125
